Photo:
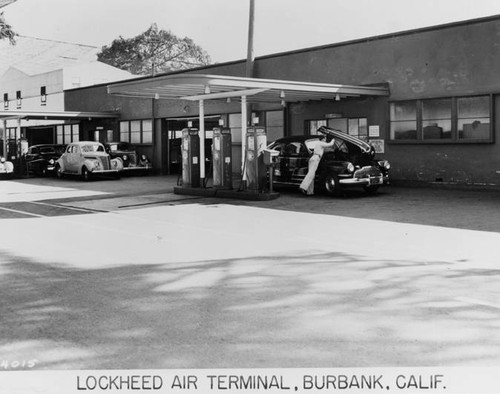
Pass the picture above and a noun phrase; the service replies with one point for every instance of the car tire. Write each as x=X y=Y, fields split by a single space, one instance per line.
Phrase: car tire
x=59 y=172
x=331 y=184
x=85 y=174
x=371 y=190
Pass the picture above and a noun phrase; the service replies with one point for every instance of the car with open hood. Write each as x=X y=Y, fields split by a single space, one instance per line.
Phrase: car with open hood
x=87 y=159
x=350 y=163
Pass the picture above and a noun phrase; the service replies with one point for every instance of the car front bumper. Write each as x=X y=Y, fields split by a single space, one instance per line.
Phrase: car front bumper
x=369 y=181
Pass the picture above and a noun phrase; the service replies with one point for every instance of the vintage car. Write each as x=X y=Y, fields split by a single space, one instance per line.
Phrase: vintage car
x=350 y=163
x=6 y=168
x=87 y=159
x=41 y=159
x=132 y=161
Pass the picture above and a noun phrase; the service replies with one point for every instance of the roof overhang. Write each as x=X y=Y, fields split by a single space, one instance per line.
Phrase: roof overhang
x=198 y=87
x=55 y=115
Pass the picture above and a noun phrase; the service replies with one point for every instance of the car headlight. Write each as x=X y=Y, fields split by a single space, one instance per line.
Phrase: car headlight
x=125 y=157
x=143 y=157
x=51 y=161
x=384 y=164
x=350 y=167
x=2 y=160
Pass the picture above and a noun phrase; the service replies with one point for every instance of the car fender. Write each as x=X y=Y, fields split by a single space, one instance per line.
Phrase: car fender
x=117 y=163
x=88 y=164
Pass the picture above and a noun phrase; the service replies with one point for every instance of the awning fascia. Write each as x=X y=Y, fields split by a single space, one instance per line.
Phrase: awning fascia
x=56 y=115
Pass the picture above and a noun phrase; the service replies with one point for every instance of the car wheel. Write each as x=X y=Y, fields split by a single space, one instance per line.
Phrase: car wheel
x=59 y=172
x=331 y=184
x=371 y=189
x=85 y=174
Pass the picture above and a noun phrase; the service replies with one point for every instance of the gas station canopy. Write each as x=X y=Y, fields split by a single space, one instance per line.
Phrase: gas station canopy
x=212 y=87
x=203 y=87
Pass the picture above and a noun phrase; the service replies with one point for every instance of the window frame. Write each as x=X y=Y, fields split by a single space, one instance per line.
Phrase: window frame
x=141 y=132
x=454 y=138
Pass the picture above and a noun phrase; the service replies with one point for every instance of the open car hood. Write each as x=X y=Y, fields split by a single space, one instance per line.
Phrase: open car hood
x=364 y=146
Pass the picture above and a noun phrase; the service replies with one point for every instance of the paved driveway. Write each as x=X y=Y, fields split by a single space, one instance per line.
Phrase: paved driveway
x=104 y=275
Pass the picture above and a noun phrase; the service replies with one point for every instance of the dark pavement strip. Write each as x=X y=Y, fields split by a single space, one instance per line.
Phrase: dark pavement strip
x=25 y=209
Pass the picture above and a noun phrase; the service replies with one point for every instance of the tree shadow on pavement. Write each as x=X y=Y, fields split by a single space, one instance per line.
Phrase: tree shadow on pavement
x=319 y=310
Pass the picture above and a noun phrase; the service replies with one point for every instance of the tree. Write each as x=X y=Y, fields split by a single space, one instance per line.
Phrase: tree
x=152 y=52
x=6 y=31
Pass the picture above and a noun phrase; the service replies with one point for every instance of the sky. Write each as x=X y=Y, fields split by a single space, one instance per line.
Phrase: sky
x=220 y=27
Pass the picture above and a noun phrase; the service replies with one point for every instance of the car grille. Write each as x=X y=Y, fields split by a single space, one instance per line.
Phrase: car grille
x=132 y=159
x=367 y=172
x=105 y=163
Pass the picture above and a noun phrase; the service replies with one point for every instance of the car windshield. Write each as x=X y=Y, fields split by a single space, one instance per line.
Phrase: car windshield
x=122 y=146
x=92 y=148
x=48 y=149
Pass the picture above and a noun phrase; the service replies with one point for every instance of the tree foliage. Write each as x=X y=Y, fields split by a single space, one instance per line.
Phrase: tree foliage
x=6 y=31
x=152 y=52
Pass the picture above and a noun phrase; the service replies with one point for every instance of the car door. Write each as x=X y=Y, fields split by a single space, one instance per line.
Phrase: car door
x=297 y=157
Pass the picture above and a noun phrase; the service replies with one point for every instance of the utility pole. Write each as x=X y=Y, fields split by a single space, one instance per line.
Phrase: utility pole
x=250 y=55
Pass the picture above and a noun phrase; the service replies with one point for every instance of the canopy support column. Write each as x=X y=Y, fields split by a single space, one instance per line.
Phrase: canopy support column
x=202 y=141
x=244 y=121
x=5 y=139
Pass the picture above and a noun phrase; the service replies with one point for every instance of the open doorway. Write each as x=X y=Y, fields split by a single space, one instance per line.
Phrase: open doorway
x=171 y=149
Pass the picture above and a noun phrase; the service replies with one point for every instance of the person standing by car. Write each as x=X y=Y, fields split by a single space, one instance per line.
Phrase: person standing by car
x=307 y=185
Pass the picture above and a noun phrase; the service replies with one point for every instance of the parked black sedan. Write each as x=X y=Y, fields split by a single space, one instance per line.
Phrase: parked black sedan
x=132 y=161
x=41 y=159
x=351 y=163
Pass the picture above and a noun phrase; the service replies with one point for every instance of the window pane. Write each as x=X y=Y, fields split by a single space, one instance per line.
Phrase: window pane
x=76 y=132
x=404 y=110
x=474 y=107
x=314 y=125
x=437 y=129
x=59 y=135
x=135 y=137
x=124 y=132
x=363 y=127
x=436 y=119
x=474 y=118
x=477 y=129
x=135 y=125
x=67 y=133
x=274 y=125
x=404 y=130
x=338 y=124
x=147 y=137
x=404 y=120
x=147 y=125
x=354 y=127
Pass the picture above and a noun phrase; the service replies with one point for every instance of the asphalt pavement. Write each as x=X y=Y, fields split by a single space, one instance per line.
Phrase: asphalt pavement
x=125 y=274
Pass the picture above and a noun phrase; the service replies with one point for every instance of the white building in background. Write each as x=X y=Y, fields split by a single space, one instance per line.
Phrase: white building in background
x=34 y=74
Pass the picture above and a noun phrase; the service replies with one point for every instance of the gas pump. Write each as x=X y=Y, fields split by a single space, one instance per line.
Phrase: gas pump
x=221 y=156
x=254 y=161
x=190 y=157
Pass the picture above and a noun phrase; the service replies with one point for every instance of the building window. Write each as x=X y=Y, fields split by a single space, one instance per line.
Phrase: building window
x=137 y=131
x=67 y=133
x=436 y=119
x=314 y=125
x=274 y=125
x=462 y=119
x=473 y=118
x=404 y=120
x=6 y=100
x=43 y=95
x=19 y=99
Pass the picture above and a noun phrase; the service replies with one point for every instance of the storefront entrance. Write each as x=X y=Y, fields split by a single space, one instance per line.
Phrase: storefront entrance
x=171 y=149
